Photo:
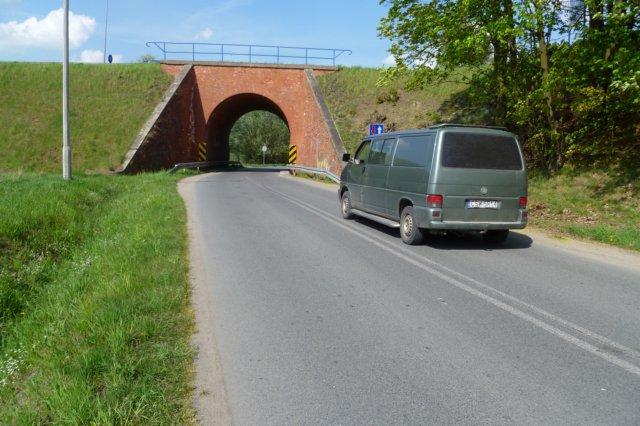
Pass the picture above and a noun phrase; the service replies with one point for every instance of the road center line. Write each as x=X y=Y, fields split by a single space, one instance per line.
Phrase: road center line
x=505 y=306
x=602 y=340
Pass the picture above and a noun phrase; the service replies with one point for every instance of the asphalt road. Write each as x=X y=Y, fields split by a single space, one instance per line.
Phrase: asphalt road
x=318 y=320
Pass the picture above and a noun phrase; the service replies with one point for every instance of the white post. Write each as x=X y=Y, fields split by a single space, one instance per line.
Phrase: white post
x=106 y=26
x=66 y=144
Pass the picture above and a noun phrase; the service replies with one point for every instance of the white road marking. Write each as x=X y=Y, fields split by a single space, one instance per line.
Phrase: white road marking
x=410 y=257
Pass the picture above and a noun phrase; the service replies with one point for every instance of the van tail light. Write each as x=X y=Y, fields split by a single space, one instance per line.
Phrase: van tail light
x=523 y=202
x=434 y=201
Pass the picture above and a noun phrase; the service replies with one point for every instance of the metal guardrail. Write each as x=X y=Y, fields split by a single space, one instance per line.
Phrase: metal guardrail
x=248 y=52
x=316 y=171
x=206 y=165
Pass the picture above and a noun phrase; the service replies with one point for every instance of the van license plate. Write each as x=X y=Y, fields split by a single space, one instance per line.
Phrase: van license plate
x=483 y=204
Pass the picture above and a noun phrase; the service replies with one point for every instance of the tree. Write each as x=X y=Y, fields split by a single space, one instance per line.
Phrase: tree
x=563 y=74
x=147 y=58
x=255 y=129
x=477 y=35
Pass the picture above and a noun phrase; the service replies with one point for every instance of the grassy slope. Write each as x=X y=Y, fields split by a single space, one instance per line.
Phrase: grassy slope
x=355 y=101
x=94 y=301
x=602 y=205
x=599 y=205
x=109 y=105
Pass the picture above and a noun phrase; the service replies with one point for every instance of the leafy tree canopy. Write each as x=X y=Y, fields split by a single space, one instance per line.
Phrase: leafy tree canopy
x=563 y=74
x=254 y=130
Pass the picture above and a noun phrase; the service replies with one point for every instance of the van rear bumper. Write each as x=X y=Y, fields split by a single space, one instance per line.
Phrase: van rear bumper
x=475 y=226
x=426 y=220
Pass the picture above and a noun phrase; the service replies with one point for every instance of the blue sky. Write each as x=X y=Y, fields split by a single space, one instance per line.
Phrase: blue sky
x=29 y=28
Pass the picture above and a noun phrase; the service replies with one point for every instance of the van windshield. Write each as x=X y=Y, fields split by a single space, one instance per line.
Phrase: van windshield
x=480 y=151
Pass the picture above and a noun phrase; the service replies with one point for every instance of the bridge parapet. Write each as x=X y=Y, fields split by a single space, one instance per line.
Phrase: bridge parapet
x=248 y=53
x=175 y=62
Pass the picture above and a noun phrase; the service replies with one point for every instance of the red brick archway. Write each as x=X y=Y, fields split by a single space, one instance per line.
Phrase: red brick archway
x=226 y=114
x=206 y=99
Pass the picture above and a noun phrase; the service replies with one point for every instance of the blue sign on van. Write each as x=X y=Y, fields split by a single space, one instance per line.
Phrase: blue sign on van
x=376 y=129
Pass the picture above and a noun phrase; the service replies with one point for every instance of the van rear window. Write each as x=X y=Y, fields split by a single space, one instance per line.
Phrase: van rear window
x=480 y=151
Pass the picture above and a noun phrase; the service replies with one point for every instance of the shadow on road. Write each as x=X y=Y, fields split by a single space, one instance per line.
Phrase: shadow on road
x=455 y=241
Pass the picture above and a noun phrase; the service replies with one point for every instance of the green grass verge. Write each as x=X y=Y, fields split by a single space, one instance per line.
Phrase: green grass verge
x=598 y=205
x=94 y=301
x=355 y=101
x=109 y=104
x=314 y=177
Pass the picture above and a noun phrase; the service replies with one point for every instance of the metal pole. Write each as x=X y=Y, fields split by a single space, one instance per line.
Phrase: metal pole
x=66 y=144
x=106 y=25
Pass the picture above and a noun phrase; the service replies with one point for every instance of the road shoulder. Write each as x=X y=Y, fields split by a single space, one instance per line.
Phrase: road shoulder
x=589 y=250
x=210 y=397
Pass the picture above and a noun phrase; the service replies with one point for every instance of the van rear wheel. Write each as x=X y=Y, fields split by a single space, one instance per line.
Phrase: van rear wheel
x=496 y=236
x=409 y=230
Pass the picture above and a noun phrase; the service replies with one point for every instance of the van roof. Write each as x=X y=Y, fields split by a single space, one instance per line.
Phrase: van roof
x=438 y=127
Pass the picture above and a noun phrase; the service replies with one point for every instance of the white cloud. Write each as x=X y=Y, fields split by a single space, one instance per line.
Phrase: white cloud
x=91 y=56
x=205 y=34
x=46 y=32
x=96 y=57
x=389 y=61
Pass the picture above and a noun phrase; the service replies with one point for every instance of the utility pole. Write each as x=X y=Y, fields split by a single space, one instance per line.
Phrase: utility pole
x=106 y=25
x=66 y=144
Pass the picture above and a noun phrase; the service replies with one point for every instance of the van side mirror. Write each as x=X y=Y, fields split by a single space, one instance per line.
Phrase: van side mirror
x=346 y=157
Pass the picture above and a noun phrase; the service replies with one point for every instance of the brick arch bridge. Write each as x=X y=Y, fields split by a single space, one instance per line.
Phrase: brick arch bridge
x=206 y=99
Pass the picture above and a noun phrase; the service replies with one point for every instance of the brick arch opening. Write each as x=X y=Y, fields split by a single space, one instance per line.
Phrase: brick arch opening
x=225 y=115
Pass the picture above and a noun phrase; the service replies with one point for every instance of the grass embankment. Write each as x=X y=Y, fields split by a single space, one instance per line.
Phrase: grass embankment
x=601 y=205
x=355 y=101
x=94 y=301
x=109 y=105
x=598 y=205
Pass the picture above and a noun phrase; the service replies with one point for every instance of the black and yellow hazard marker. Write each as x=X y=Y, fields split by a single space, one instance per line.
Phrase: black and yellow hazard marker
x=293 y=154
x=202 y=151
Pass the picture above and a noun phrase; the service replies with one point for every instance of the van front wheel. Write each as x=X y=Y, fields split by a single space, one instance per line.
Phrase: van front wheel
x=409 y=230
x=345 y=205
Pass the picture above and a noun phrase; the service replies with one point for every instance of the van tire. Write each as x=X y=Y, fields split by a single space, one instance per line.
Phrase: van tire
x=496 y=236
x=409 y=231
x=345 y=205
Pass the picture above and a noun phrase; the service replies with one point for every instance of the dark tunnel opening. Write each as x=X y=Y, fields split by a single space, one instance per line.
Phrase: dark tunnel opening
x=225 y=116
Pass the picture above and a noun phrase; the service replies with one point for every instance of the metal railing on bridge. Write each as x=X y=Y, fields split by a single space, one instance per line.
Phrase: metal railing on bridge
x=251 y=53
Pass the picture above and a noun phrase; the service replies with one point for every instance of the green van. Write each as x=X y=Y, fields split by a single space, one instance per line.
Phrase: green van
x=447 y=177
